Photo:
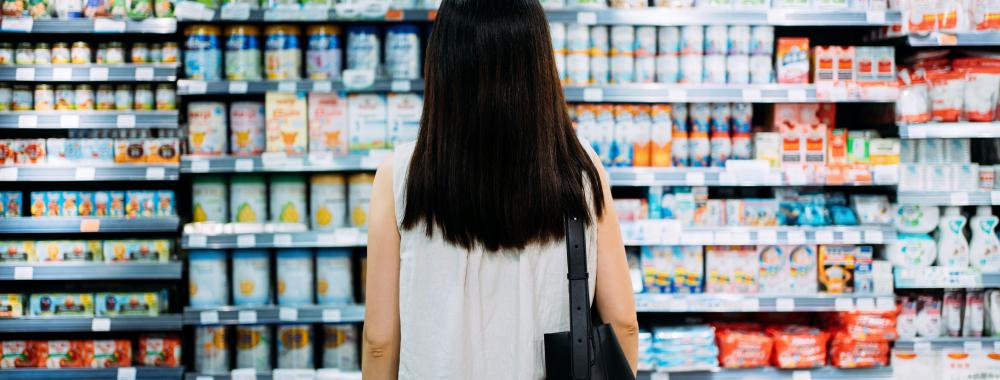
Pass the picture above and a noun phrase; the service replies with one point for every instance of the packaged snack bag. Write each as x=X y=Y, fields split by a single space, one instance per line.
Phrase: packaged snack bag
x=849 y=353
x=869 y=326
x=798 y=346
x=742 y=346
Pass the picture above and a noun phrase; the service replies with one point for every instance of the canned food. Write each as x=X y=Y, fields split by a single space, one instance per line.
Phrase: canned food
x=6 y=53
x=166 y=97
x=169 y=53
x=242 y=53
x=44 y=97
x=5 y=98
x=156 y=53
x=253 y=347
x=24 y=55
x=208 y=196
x=295 y=276
x=363 y=51
x=202 y=57
x=402 y=52
x=105 y=97
x=323 y=58
x=43 y=56
x=251 y=267
x=21 y=98
x=65 y=97
x=84 y=97
x=140 y=53
x=281 y=55
x=295 y=346
x=115 y=54
x=206 y=128
x=208 y=283
x=80 y=53
x=123 y=97
x=144 y=100
x=60 y=53
x=211 y=350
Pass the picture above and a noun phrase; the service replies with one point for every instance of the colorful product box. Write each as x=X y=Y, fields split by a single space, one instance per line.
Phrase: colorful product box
x=286 y=123
x=661 y=134
x=864 y=279
x=10 y=204
x=824 y=64
x=11 y=306
x=404 y=118
x=624 y=129
x=792 y=60
x=673 y=269
x=802 y=268
x=731 y=269
x=165 y=203
x=773 y=262
x=69 y=354
x=17 y=251
x=68 y=251
x=836 y=268
x=368 y=116
x=130 y=151
x=162 y=151
x=136 y=250
x=111 y=353
x=328 y=123
x=85 y=203
x=61 y=304
x=815 y=136
x=29 y=151
x=118 y=304
x=159 y=351
x=70 y=203
x=117 y=203
x=604 y=137
x=23 y=354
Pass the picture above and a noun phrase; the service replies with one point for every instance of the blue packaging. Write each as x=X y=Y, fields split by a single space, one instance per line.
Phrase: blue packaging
x=295 y=269
x=402 y=52
x=207 y=278
x=251 y=277
x=363 y=48
x=334 y=277
x=202 y=56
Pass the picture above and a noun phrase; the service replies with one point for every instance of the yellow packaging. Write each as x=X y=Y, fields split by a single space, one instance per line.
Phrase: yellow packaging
x=359 y=196
x=285 y=123
x=11 y=306
x=17 y=251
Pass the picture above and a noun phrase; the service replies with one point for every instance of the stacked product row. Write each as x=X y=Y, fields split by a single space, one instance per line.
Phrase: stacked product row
x=119 y=147
x=294 y=283
x=691 y=54
x=109 y=304
x=284 y=50
x=915 y=247
x=83 y=97
x=335 y=201
x=724 y=4
x=131 y=203
x=157 y=350
x=772 y=269
x=944 y=165
x=292 y=347
x=950 y=16
x=940 y=89
x=64 y=251
x=79 y=53
x=958 y=313
x=71 y=9
x=310 y=5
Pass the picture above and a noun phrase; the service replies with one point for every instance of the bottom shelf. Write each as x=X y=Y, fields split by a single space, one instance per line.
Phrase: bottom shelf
x=137 y=373
x=769 y=373
x=297 y=374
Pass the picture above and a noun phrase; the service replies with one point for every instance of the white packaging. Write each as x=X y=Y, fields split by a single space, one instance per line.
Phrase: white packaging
x=207 y=278
x=773 y=278
x=938 y=177
x=600 y=66
x=908 y=150
x=981 y=94
x=334 y=282
x=295 y=277
x=738 y=69
x=251 y=278
x=716 y=39
x=622 y=54
x=367 y=115
x=645 y=41
x=668 y=40
x=739 y=39
x=692 y=39
x=762 y=40
x=911 y=177
x=645 y=69
x=622 y=69
x=957 y=151
x=211 y=350
x=965 y=177
x=691 y=69
x=404 y=117
x=761 y=69
x=929 y=322
x=295 y=346
x=931 y=151
x=328 y=202
x=577 y=38
x=600 y=43
x=668 y=68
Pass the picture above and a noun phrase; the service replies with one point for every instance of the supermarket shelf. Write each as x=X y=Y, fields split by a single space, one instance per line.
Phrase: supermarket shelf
x=341 y=238
x=715 y=177
x=87 y=26
x=667 y=17
x=949 y=343
x=311 y=163
x=679 y=93
x=669 y=232
x=42 y=173
x=274 y=315
x=950 y=130
x=261 y=15
x=949 y=198
x=940 y=278
x=318 y=374
x=959 y=39
x=197 y=87
x=141 y=373
x=88 y=119
x=170 y=322
x=90 y=73
x=734 y=303
x=770 y=373
x=71 y=224
x=92 y=271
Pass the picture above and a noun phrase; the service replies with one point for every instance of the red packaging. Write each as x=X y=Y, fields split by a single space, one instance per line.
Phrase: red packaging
x=869 y=326
x=848 y=353
x=69 y=354
x=111 y=353
x=23 y=354
x=159 y=350
x=798 y=346
x=742 y=346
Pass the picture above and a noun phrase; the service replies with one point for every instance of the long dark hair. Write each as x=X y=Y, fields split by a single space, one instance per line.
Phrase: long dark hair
x=497 y=163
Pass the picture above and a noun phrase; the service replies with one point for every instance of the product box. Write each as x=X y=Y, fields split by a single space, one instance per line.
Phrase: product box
x=857 y=148
x=624 y=131
x=845 y=63
x=836 y=268
x=865 y=64
x=774 y=276
x=206 y=128
x=29 y=151
x=70 y=203
x=136 y=250
x=111 y=353
x=85 y=203
x=672 y=269
x=117 y=202
x=719 y=269
x=746 y=269
x=69 y=354
x=159 y=351
x=139 y=203
x=824 y=63
x=641 y=136
x=11 y=306
x=10 y=204
x=661 y=134
x=286 y=123
x=162 y=151
x=792 y=143
x=864 y=278
x=165 y=203
x=815 y=136
x=117 y=304
x=883 y=151
x=130 y=151
x=404 y=118
x=604 y=138
x=802 y=268
x=368 y=117
x=100 y=151
x=760 y=212
x=68 y=251
x=328 y=123
x=837 y=152
x=767 y=146
x=792 y=60
x=23 y=354
x=61 y=304
x=17 y=251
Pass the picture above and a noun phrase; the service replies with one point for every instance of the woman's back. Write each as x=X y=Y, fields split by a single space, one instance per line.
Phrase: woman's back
x=468 y=314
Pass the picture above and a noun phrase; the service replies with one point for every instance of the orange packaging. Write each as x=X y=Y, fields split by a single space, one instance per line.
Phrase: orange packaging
x=69 y=354
x=869 y=326
x=825 y=60
x=111 y=353
x=792 y=60
x=798 y=346
x=742 y=346
x=791 y=143
x=845 y=63
x=642 y=143
x=848 y=353
x=837 y=150
x=23 y=354
x=921 y=15
x=815 y=143
x=985 y=15
x=159 y=351
x=661 y=135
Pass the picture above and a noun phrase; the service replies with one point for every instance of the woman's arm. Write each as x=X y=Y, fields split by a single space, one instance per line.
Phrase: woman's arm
x=613 y=297
x=380 y=357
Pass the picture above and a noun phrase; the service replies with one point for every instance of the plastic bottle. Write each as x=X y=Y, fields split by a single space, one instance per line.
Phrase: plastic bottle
x=984 y=252
x=953 y=248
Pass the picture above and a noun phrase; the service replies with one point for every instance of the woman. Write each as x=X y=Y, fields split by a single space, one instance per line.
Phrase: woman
x=466 y=244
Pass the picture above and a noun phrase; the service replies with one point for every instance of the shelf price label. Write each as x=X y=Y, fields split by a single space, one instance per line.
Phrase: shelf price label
x=243 y=374
x=921 y=347
x=247 y=317
x=235 y=11
x=795 y=237
x=282 y=240
x=866 y=304
x=358 y=79
x=246 y=241
x=322 y=86
x=824 y=237
x=61 y=73
x=593 y=95
x=195 y=87
x=331 y=316
x=100 y=324
x=797 y=95
x=843 y=304
x=106 y=25
x=27 y=121
x=90 y=225
x=875 y=16
x=401 y=86
x=586 y=18
x=238 y=87
x=885 y=303
x=8 y=174
x=995 y=197
x=959 y=199
x=125 y=121
x=209 y=317
x=874 y=237
x=156 y=174
x=678 y=95
x=695 y=179
x=288 y=314
x=98 y=74
x=200 y=166
x=288 y=86
x=767 y=237
x=69 y=121
x=852 y=237
x=801 y=375
x=784 y=304
x=85 y=174
x=24 y=74
x=197 y=241
x=244 y=165
x=16 y=24
x=660 y=376
x=750 y=305
x=126 y=373
x=751 y=95
x=973 y=346
x=24 y=273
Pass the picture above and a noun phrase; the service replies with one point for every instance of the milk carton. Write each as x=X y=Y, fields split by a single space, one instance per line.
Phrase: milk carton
x=792 y=60
x=641 y=138
x=286 y=122
x=661 y=133
x=404 y=118
x=605 y=133
x=368 y=121
x=328 y=123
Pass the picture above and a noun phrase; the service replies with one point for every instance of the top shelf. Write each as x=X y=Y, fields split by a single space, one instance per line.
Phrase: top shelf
x=83 y=25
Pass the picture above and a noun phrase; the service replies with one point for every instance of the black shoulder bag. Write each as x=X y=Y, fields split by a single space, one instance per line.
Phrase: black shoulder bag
x=585 y=352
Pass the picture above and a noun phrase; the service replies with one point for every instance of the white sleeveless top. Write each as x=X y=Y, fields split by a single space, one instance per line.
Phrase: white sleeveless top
x=472 y=314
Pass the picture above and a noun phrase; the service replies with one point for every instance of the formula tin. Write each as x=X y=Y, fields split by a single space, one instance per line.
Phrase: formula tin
x=691 y=69
x=600 y=64
x=242 y=53
x=295 y=347
x=206 y=128
x=334 y=282
x=363 y=52
x=328 y=123
x=6 y=53
x=715 y=69
x=24 y=55
x=80 y=53
x=323 y=56
x=251 y=277
x=668 y=68
x=123 y=97
x=202 y=56
x=211 y=350
x=144 y=99
x=295 y=277
x=340 y=347
x=668 y=40
x=207 y=279
x=246 y=129
x=721 y=115
x=64 y=97
x=6 y=97
x=140 y=53
x=738 y=69
x=762 y=40
x=209 y=199
x=359 y=198
x=44 y=97
x=282 y=59
x=761 y=69
x=105 y=97
x=402 y=52
x=739 y=39
x=578 y=68
x=21 y=98
x=61 y=54
x=253 y=347
x=622 y=54
x=115 y=55
x=166 y=97
x=692 y=39
x=716 y=39
x=288 y=199
x=328 y=199
x=248 y=199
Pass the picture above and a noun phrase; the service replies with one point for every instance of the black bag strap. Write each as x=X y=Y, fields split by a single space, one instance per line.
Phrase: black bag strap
x=579 y=299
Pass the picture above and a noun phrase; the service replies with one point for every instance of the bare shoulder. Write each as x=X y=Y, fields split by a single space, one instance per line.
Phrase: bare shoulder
x=383 y=175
